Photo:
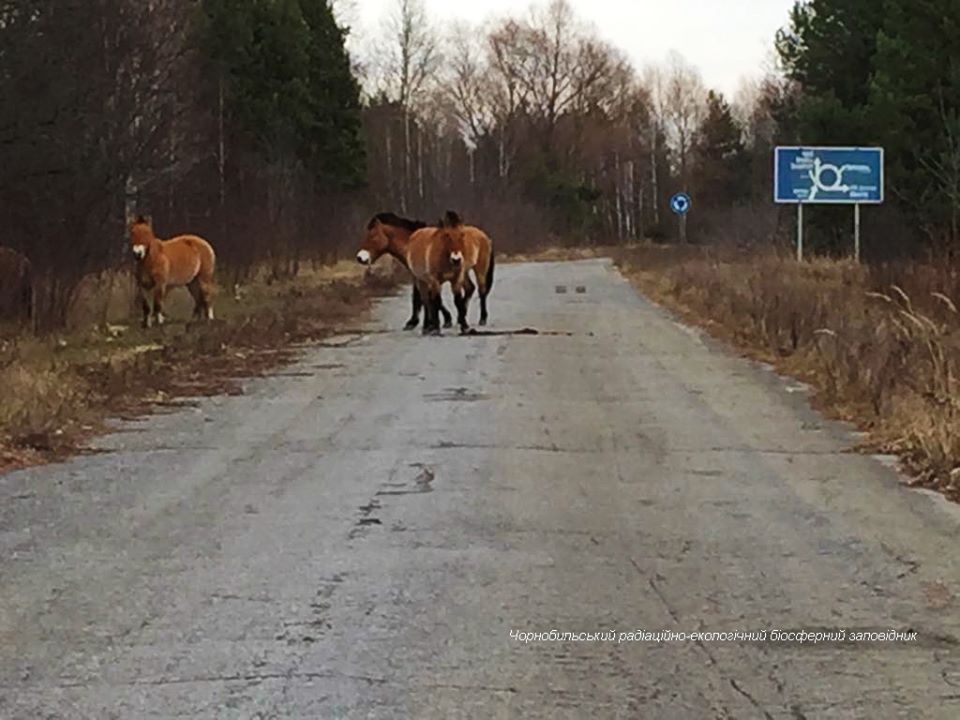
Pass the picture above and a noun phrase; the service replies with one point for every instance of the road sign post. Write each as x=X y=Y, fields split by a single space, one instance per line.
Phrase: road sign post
x=856 y=232
x=799 y=232
x=680 y=204
x=829 y=176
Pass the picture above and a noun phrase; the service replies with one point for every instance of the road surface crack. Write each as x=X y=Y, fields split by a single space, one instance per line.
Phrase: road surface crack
x=752 y=699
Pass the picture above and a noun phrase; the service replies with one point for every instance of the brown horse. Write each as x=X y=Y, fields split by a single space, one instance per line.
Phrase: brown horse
x=388 y=233
x=438 y=255
x=186 y=260
x=16 y=286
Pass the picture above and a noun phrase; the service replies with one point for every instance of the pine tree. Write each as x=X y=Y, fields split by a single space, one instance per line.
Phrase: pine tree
x=289 y=84
x=333 y=142
x=721 y=164
x=829 y=49
x=916 y=106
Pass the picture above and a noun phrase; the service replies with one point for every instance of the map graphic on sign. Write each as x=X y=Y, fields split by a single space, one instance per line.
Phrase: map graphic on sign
x=828 y=175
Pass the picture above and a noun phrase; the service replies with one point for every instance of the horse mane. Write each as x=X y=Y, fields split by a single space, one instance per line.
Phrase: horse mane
x=451 y=220
x=389 y=218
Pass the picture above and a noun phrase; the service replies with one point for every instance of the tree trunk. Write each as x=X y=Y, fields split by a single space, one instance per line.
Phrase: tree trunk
x=389 y=178
x=420 y=192
x=653 y=180
x=404 y=195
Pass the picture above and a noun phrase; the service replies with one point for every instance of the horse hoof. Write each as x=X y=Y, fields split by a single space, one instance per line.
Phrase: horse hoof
x=465 y=330
x=412 y=325
x=483 y=322
x=448 y=323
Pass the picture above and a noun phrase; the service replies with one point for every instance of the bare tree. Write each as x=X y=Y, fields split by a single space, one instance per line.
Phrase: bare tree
x=684 y=104
x=469 y=82
x=411 y=58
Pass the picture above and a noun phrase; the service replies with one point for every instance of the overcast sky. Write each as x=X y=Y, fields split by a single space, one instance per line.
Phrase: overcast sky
x=727 y=39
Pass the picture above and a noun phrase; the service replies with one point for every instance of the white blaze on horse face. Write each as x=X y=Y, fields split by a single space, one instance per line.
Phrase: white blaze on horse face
x=209 y=313
x=363 y=257
x=140 y=251
x=160 y=318
x=456 y=257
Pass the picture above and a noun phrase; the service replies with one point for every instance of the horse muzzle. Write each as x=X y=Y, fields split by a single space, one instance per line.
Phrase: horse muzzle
x=363 y=257
x=456 y=258
x=140 y=251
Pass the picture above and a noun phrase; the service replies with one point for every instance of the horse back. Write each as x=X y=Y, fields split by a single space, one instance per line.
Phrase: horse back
x=189 y=257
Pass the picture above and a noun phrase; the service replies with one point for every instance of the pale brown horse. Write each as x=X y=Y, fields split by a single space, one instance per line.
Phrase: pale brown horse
x=388 y=233
x=438 y=255
x=16 y=286
x=186 y=260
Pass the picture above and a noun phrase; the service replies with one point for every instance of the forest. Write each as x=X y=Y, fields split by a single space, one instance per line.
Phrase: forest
x=249 y=121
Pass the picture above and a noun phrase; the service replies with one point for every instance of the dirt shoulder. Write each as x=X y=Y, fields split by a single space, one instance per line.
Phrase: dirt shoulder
x=58 y=391
x=880 y=345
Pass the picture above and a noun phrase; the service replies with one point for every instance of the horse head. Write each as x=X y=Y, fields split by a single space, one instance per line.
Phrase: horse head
x=451 y=233
x=376 y=241
x=382 y=230
x=141 y=236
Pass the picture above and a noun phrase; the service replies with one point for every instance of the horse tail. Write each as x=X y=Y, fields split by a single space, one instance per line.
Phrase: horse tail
x=208 y=259
x=489 y=278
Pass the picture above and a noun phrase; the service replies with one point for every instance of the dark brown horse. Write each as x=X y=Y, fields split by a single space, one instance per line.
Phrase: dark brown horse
x=186 y=260
x=16 y=286
x=389 y=234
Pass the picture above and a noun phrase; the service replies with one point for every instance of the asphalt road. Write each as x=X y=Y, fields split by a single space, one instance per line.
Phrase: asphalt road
x=359 y=536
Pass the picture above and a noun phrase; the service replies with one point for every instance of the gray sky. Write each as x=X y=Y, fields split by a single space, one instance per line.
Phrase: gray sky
x=726 y=39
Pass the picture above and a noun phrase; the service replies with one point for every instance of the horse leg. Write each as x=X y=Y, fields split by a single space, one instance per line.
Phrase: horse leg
x=483 y=309
x=158 y=295
x=417 y=304
x=145 y=307
x=463 y=302
x=199 y=303
x=447 y=319
x=483 y=292
x=437 y=309
x=207 y=290
x=431 y=303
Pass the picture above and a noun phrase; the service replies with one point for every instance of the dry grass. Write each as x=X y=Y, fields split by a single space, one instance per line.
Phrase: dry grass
x=57 y=391
x=881 y=345
x=559 y=254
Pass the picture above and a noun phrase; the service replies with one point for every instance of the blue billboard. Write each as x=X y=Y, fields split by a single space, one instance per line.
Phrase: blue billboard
x=828 y=175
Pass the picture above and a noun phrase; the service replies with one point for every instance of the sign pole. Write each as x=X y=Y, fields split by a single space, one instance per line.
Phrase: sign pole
x=800 y=232
x=856 y=232
x=680 y=204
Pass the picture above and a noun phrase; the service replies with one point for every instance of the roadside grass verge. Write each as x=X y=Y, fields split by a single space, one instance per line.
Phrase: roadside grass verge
x=881 y=345
x=57 y=391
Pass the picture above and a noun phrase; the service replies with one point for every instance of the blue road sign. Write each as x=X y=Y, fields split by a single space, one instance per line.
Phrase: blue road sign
x=836 y=175
x=680 y=203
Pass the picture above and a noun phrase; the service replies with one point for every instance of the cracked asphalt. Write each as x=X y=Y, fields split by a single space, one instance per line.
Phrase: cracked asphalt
x=358 y=536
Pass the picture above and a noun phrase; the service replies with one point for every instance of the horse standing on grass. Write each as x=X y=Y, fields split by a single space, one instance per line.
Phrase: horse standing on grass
x=388 y=233
x=186 y=260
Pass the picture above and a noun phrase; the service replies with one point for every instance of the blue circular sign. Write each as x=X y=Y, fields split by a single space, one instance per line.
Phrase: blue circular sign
x=680 y=203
